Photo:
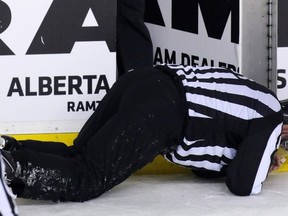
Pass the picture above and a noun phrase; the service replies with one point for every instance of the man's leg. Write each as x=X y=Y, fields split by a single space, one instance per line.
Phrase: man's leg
x=145 y=121
x=49 y=147
x=9 y=144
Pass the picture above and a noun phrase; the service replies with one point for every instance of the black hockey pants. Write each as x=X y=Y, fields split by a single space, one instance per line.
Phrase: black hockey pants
x=141 y=117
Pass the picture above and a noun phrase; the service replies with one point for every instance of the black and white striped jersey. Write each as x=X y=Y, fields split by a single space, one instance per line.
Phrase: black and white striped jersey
x=7 y=204
x=221 y=107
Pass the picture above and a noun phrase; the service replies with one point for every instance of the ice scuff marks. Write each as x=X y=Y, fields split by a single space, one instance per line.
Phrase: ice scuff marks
x=45 y=183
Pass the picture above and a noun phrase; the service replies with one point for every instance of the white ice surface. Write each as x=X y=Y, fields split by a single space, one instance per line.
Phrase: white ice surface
x=171 y=195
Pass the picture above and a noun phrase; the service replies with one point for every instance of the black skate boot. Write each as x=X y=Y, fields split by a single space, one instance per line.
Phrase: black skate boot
x=8 y=143
x=10 y=166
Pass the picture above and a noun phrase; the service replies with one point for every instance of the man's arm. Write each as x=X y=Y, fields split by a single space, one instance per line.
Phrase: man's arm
x=250 y=167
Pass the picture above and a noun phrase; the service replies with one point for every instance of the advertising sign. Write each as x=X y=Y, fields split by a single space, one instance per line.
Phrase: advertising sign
x=282 y=52
x=57 y=61
x=232 y=34
x=195 y=32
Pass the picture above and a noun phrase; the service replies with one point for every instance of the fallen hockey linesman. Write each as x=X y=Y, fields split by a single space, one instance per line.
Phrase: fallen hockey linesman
x=211 y=120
